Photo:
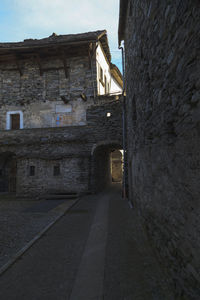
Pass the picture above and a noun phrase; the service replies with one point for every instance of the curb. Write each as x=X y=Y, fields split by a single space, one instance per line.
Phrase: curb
x=15 y=257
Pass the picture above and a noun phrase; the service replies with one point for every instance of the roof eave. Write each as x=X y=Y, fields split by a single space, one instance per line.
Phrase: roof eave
x=103 y=39
x=116 y=74
x=56 y=39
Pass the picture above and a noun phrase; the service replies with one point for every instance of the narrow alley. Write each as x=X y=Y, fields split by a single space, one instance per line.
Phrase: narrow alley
x=97 y=250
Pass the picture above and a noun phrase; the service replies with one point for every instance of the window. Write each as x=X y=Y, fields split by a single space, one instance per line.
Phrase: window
x=108 y=88
x=100 y=74
x=56 y=170
x=14 y=120
x=105 y=81
x=32 y=171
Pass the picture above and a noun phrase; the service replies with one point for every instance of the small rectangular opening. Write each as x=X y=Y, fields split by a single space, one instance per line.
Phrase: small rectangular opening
x=56 y=170
x=32 y=171
x=15 y=121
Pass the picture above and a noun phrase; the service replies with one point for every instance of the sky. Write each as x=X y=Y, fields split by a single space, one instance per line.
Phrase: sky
x=23 y=19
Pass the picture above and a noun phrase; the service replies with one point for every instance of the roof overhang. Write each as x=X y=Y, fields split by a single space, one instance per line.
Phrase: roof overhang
x=116 y=74
x=54 y=44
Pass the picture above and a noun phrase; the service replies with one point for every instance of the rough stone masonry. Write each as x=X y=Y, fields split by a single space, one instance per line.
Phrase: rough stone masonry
x=162 y=47
x=52 y=116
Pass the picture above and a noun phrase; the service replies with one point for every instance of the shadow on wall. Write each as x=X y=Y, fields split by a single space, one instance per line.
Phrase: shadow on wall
x=8 y=172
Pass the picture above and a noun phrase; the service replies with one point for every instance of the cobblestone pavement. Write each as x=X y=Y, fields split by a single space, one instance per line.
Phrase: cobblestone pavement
x=21 y=220
x=97 y=248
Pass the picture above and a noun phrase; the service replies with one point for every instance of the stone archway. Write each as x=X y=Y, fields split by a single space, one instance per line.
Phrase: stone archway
x=101 y=166
x=117 y=165
x=8 y=172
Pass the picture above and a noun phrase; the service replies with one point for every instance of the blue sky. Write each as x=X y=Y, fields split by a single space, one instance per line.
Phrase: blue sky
x=22 y=19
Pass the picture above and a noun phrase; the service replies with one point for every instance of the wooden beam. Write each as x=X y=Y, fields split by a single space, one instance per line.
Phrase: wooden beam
x=65 y=64
x=91 y=51
x=44 y=53
x=11 y=69
x=90 y=56
x=52 y=69
x=19 y=65
x=38 y=61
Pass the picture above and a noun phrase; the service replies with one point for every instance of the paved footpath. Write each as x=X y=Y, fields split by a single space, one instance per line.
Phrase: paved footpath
x=96 y=251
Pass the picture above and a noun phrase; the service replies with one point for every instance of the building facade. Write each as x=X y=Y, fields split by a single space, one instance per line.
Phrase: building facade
x=48 y=88
x=163 y=121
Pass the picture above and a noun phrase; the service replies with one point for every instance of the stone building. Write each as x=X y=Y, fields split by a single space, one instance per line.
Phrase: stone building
x=50 y=89
x=162 y=59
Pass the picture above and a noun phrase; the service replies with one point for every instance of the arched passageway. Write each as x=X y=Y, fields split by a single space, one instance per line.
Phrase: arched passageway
x=117 y=165
x=8 y=172
x=107 y=165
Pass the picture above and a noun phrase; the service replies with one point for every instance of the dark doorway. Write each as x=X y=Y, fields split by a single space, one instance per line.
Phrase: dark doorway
x=15 y=121
x=107 y=166
x=8 y=172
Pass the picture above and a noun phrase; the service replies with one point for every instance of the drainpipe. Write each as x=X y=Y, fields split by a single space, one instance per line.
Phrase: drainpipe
x=124 y=191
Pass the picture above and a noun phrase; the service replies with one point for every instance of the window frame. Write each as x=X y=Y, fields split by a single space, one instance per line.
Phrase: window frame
x=8 y=119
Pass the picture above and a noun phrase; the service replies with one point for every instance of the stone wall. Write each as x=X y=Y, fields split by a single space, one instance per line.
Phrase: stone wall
x=71 y=148
x=162 y=46
x=45 y=148
x=106 y=117
x=50 y=99
x=73 y=176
